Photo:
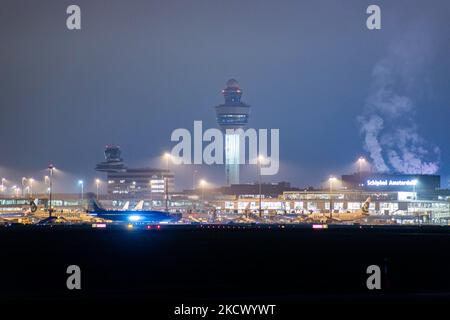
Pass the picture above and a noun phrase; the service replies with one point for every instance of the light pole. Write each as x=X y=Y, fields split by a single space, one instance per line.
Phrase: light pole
x=81 y=183
x=202 y=186
x=331 y=180
x=361 y=161
x=50 y=168
x=167 y=158
x=24 y=180
x=166 y=181
x=194 y=175
x=97 y=184
x=31 y=180
x=134 y=187
x=260 y=160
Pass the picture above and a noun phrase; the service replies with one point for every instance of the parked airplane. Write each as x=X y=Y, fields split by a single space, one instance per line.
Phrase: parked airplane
x=340 y=217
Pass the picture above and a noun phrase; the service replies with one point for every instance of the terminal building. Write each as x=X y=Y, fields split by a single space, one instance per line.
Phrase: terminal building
x=398 y=206
x=134 y=183
x=394 y=198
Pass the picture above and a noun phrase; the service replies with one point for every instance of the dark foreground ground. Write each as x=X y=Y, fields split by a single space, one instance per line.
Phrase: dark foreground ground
x=224 y=265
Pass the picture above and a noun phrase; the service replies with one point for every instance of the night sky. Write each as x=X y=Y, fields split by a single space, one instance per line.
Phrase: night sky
x=140 y=69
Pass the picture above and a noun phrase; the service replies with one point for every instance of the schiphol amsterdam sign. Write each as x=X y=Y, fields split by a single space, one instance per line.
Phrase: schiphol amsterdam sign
x=389 y=182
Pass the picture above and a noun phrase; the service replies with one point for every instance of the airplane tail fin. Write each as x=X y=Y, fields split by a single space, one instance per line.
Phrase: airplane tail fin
x=365 y=206
x=33 y=205
x=94 y=205
x=139 y=206
x=126 y=206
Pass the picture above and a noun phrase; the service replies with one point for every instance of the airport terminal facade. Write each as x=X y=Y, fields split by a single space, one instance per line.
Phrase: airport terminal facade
x=397 y=205
x=133 y=183
x=398 y=198
x=393 y=197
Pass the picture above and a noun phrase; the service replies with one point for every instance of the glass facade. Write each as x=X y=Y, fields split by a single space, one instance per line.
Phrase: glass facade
x=233 y=119
x=395 y=206
x=140 y=183
x=232 y=156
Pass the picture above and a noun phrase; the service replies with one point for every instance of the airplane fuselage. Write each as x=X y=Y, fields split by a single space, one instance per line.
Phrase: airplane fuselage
x=135 y=216
x=344 y=217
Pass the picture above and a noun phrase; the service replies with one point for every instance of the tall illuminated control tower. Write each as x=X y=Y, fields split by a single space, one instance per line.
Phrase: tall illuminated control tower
x=233 y=114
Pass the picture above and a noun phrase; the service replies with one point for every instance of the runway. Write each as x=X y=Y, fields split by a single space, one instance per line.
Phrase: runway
x=201 y=263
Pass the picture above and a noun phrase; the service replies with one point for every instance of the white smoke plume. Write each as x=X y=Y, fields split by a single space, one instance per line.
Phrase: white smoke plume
x=391 y=135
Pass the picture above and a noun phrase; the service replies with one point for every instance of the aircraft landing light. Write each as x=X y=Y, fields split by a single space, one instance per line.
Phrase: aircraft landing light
x=134 y=218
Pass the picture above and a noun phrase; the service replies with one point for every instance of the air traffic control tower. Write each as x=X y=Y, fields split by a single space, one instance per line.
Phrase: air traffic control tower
x=233 y=114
